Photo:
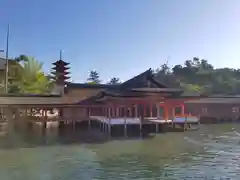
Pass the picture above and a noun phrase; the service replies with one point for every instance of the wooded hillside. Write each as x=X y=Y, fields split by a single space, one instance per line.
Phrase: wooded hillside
x=199 y=77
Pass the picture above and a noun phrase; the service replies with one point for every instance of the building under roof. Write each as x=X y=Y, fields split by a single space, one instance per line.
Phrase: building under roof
x=140 y=86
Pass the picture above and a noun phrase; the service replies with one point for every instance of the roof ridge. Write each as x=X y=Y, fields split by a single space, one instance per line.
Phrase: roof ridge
x=133 y=78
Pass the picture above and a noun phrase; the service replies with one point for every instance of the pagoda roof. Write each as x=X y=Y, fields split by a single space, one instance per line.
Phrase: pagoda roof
x=57 y=68
x=59 y=77
x=60 y=73
x=60 y=62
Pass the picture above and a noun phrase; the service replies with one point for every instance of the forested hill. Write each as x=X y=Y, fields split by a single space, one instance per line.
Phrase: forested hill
x=199 y=77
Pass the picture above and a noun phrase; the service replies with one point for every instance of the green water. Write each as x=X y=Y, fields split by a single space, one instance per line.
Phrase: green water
x=210 y=153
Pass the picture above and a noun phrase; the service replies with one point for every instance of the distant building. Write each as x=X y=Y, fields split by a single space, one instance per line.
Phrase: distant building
x=13 y=70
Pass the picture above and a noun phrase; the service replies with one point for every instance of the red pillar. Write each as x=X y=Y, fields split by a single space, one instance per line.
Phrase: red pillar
x=145 y=111
x=130 y=111
x=114 y=111
x=117 y=111
x=182 y=109
x=166 y=112
x=151 y=108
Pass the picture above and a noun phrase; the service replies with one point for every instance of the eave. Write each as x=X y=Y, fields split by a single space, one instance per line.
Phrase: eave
x=91 y=86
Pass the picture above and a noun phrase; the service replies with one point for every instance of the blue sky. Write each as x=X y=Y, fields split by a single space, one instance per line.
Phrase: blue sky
x=122 y=38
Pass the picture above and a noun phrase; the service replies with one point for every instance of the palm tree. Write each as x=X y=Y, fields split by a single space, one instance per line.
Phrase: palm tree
x=31 y=78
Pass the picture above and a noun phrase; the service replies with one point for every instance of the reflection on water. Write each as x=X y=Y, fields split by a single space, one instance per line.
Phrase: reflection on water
x=210 y=153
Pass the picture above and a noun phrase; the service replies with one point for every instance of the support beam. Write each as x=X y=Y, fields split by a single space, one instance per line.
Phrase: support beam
x=158 y=117
x=103 y=124
x=185 y=127
x=44 y=127
x=151 y=110
x=74 y=119
x=140 y=120
x=17 y=119
x=125 y=122
x=24 y=119
x=9 y=117
x=173 y=117
x=130 y=111
x=117 y=111
x=140 y=125
x=109 y=123
x=89 y=118
x=114 y=111
x=145 y=110
x=182 y=109
x=166 y=112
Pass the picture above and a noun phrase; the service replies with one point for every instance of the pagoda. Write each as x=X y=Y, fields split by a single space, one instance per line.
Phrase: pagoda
x=60 y=72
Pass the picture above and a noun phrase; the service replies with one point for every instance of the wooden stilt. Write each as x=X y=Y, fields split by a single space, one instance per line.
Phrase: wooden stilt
x=144 y=110
x=106 y=126
x=158 y=117
x=44 y=122
x=173 y=117
x=199 y=121
x=16 y=118
x=140 y=126
x=109 y=127
x=104 y=118
x=117 y=112
x=166 y=111
x=125 y=126
x=100 y=125
x=89 y=118
x=185 y=124
x=137 y=115
x=109 y=123
x=24 y=119
x=151 y=108
x=103 y=124
x=114 y=111
x=107 y=120
x=73 y=118
x=9 y=116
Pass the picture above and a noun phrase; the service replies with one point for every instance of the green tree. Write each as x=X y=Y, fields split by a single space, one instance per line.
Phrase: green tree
x=114 y=80
x=31 y=78
x=198 y=76
x=94 y=77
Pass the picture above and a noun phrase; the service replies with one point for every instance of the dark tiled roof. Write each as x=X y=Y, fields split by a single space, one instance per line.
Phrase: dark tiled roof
x=145 y=79
x=30 y=100
x=157 y=90
x=141 y=85
x=114 y=93
x=61 y=62
x=120 y=93
x=91 y=86
x=218 y=100
x=89 y=101
x=28 y=95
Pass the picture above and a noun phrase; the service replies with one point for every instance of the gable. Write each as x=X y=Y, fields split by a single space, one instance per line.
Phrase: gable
x=143 y=80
